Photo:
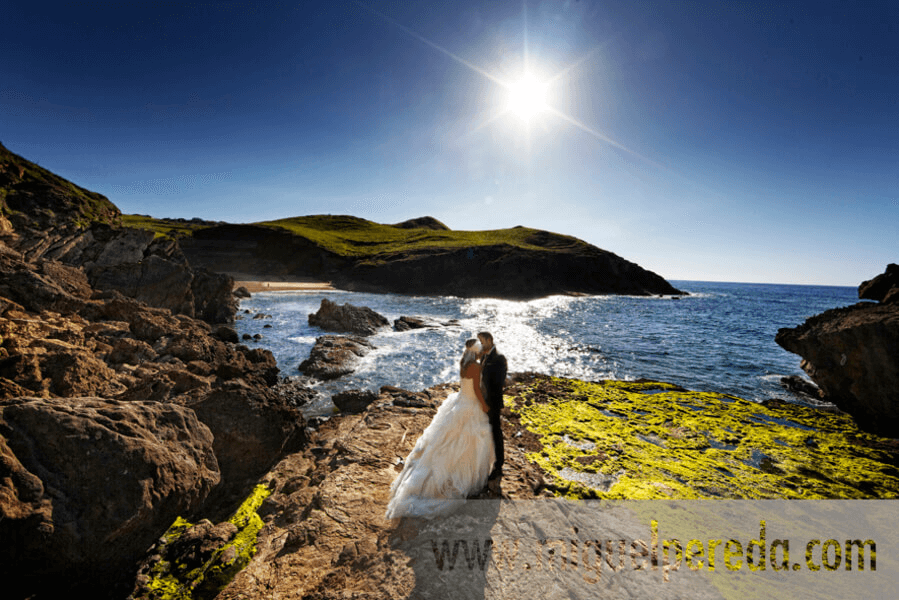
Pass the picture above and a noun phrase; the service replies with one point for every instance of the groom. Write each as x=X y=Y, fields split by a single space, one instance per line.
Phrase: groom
x=493 y=378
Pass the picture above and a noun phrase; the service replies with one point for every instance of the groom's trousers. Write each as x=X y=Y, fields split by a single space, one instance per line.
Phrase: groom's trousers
x=496 y=427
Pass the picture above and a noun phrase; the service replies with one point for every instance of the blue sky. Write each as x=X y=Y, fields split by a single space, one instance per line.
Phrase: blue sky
x=707 y=140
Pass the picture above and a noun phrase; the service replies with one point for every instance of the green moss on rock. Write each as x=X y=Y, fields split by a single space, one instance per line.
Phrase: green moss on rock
x=645 y=440
x=177 y=575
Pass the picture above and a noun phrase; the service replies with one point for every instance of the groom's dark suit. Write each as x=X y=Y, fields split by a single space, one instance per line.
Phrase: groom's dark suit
x=493 y=378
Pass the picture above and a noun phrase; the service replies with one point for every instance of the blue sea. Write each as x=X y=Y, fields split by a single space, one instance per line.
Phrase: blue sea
x=720 y=338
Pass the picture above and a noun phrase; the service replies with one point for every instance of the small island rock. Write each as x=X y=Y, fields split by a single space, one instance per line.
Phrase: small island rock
x=347 y=318
x=334 y=356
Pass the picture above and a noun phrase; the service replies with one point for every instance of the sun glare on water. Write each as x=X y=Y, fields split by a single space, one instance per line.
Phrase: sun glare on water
x=527 y=97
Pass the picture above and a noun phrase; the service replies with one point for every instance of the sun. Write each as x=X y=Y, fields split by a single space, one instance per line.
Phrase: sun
x=527 y=97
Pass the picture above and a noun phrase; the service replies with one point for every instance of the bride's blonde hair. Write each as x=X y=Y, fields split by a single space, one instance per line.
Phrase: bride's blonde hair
x=469 y=356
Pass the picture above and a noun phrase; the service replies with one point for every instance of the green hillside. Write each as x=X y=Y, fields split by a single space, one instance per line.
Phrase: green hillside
x=32 y=196
x=173 y=228
x=357 y=238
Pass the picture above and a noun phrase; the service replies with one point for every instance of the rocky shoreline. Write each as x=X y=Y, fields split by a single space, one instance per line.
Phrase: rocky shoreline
x=146 y=453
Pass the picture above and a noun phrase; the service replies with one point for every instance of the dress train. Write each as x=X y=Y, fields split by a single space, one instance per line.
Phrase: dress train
x=450 y=460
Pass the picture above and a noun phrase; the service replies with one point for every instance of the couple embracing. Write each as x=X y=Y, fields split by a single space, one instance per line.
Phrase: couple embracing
x=462 y=448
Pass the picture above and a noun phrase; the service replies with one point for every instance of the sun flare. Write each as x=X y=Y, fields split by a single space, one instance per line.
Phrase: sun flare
x=527 y=97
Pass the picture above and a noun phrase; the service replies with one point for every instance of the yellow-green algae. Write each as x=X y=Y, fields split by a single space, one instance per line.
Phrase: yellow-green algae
x=653 y=440
x=170 y=581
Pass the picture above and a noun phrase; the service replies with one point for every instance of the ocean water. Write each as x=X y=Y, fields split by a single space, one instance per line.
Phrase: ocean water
x=719 y=338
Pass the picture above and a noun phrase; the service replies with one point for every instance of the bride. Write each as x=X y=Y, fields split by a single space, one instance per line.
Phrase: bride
x=453 y=456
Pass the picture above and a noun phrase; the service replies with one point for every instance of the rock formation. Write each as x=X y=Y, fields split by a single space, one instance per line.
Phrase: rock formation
x=353 y=401
x=542 y=264
x=49 y=218
x=334 y=355
x=116 y=416
x=325 y=536
x=883 y=288
x=91 y=381
x=347 y=318
x=852 y=354
x=35 y=200
x=405 y=323
x=504 y=271
x=87 y=484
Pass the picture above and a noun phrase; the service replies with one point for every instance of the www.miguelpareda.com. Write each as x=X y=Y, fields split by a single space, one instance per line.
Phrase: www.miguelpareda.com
x=592 y=557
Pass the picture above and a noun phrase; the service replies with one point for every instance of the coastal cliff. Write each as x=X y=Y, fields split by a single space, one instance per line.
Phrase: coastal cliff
x=45 y=218
x=119 y=409
x=852 y=354
x=417 y=257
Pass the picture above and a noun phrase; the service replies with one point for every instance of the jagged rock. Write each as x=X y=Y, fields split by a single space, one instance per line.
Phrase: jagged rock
x=852 y=354
x=334 y=355
x=242 y=292
x=131 y=351
x=79 y=516
x=295 y=391
x=87 y=484
x=347 y=318
x=38 y=289
x=883 y=288
x=405 y=323
x=252 y=429
x=353 y=401
x=72 y=371
x=196 y=561
x=226 y=334
x=123 y=246
x=155 y=281
x=52 y=219
x=213 y=300
x=800 y=386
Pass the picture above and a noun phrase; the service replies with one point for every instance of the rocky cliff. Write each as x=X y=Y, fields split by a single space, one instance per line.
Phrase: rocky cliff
x=421 y=257
x=44 y=217
x=852 y=354
x=119 y=410
x=115 y=418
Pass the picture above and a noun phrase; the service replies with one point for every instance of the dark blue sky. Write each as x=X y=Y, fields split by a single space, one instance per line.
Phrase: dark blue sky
x=706 y=140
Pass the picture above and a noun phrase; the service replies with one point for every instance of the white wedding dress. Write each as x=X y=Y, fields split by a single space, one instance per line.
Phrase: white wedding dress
x=451 y=459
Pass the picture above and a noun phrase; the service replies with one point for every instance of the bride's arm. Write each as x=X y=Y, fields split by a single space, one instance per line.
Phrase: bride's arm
x=474 y=372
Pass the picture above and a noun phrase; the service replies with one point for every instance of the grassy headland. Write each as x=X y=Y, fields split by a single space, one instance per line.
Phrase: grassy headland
x=419 y=257
x=358 y=238
x=173 y=228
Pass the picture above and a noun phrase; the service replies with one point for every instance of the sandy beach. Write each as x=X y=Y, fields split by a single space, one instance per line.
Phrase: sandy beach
x=256 y=284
